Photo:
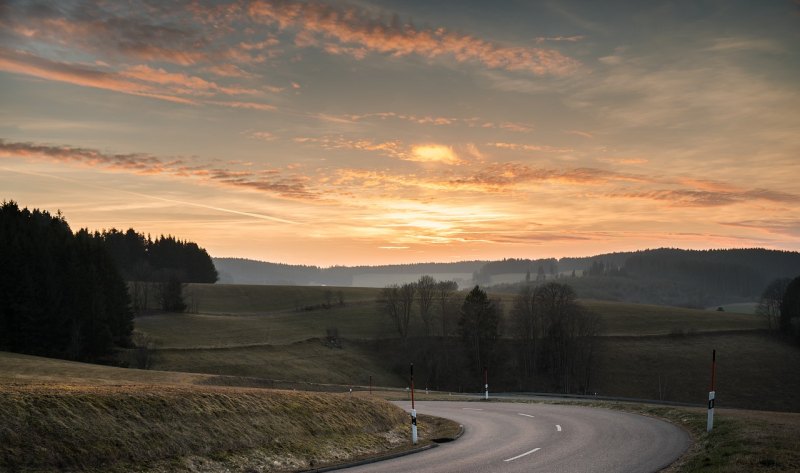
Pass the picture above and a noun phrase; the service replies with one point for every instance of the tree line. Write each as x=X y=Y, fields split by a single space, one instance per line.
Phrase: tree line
x=551 y=346
x=157 y=269
x=61 y=294
x=780 y=305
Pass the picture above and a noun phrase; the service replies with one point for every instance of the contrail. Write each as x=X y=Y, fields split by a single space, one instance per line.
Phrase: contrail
x=163 y=199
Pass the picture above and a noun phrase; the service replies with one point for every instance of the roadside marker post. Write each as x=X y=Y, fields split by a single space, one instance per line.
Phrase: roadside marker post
x=370 y=384
x=413 y=410
x=486 y=383
x=712 y=393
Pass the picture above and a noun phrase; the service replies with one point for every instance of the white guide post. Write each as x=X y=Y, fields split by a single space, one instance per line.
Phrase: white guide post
x=712 y=394
x=486 y=384
x=710 y=423
x=413 y=410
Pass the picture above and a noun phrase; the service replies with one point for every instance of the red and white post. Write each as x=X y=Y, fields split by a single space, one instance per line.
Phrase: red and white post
x=413 y=410
x=711 y=392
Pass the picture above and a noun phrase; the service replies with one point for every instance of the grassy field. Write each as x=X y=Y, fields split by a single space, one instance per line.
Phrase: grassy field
x=619 y=318
x=310 y=360
x=249 y=299
x=353 y=321
x=650 y=352
x=238 y=316
x=754 y=371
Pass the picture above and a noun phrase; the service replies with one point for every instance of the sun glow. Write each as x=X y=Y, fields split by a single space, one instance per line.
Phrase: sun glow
x=434 y=154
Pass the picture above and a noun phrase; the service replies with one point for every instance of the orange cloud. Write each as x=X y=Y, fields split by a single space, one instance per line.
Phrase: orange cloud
x=433 y=154
x=472 y=122
x=28 y=64
x=138 y=80
x=271 y=181
x=526 y=147
x=357 y=33
x=182 y=83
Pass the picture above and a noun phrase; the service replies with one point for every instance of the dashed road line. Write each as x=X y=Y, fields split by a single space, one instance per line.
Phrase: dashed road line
x=471 y=409
x=526 y=415
x=558 y=427
x=522 y=455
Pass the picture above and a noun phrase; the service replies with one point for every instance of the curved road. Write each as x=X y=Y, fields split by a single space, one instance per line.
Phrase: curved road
x=510 y=437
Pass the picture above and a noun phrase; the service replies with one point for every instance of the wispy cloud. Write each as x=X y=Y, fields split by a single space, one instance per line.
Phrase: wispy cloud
x=471 y=122
x=265 y=180
x=138 y=80
x=28 y=64
x=529 y=147
x=353 y=31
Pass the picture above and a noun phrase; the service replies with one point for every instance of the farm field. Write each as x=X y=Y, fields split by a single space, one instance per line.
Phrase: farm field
x=268 y=315
x=646 y=351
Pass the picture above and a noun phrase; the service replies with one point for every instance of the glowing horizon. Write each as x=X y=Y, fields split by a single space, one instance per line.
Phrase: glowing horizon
x=385 y=132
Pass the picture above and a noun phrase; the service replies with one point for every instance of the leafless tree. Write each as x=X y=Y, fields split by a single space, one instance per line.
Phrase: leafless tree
x=426 y=290
x=771 y=299
x=557 y=334
x=444 y=292
x=397 y=302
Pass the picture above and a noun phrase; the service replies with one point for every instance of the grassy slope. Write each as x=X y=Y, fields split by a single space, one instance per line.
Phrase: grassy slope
x=21 y=369
x=62 y=415
x=235 y=323
x=112 y=428
x=642 y=347
x=249 y=299
x=753 y=370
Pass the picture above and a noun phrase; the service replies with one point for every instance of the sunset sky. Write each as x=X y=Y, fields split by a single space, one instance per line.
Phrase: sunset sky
x=389 y=131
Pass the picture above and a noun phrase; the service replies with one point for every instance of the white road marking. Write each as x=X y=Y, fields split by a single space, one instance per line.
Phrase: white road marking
x=522 y=455
x=471 y=409
x=558 y=427
x=526 y=415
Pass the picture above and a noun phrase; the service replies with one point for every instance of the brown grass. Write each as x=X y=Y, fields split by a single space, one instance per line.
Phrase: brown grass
x=754 y=370
x=114 y=428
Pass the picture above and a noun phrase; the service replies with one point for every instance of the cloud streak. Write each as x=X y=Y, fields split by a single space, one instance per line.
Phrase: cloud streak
x=354 y=32
x=269 y=181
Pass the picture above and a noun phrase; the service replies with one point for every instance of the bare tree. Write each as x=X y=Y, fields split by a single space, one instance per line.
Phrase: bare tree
x=444 y=291
x=771 y=299
x=397 y=302
x=557 y=334
x=426 y=290
x=527 y=327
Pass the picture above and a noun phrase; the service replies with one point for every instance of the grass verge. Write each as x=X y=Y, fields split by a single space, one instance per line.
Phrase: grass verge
x=185 y=428
x=751 y=441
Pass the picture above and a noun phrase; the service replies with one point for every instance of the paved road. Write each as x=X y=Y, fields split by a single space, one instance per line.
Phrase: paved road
x=510 y=437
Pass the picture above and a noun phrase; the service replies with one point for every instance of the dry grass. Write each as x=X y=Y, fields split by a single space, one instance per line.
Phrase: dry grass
x=619 y=318
x=741 y=441
x=356 y=321
x=306 y=361
x=173 y=428
x=754 y=370
x=250 y=299
x=20 y=369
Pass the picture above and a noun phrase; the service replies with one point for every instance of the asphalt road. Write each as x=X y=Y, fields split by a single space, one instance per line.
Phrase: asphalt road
x=516 y=437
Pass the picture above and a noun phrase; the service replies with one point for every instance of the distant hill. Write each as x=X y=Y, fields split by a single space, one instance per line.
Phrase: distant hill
x=668 y=276
x=246 y=271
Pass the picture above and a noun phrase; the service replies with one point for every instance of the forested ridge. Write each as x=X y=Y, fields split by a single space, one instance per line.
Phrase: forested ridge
x=64 y=294
x=140 y=258
x=61 y=294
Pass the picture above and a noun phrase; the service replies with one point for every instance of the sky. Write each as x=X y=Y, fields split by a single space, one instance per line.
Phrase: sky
x=387 y=131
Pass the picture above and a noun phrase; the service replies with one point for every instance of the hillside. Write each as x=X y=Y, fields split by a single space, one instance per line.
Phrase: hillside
x=663 y=276
x=182 y=428
x=645 y=351
x=59 y=415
